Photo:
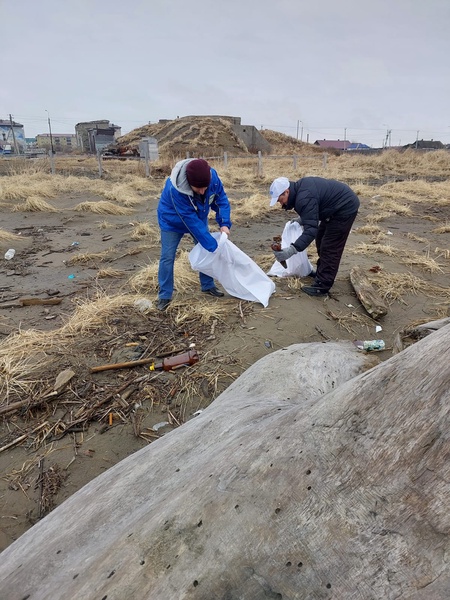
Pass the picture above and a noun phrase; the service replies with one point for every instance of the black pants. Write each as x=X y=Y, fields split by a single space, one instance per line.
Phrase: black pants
x=330 y=243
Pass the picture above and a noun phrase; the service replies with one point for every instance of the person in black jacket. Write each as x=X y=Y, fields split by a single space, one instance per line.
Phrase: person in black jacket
x=327 y=209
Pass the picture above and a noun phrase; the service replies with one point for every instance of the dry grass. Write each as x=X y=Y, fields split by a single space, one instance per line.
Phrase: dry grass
x=369 y=229
x=442 y=252
x=146 y=279
x=377 y=217
x=35 y=204
x=369 y=249
x=145 y=230
x=84 y=258
x=110 y=273
x=391 y=206
x=7 y=236
x=393 y=286
x=24 y=355
x=250 y=208
x=442 y=229
x=416 y=238
x=424 y=262
x=102 y=207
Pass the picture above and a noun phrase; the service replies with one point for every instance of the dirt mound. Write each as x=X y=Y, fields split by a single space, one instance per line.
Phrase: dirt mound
x=208 y=137
x=200 y=136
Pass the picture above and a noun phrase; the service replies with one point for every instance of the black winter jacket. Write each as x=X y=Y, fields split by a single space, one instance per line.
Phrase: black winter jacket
x=316 y=199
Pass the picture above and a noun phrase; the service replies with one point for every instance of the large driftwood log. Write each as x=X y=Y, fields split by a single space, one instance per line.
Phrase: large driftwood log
x=303 y=481
x=367 y=295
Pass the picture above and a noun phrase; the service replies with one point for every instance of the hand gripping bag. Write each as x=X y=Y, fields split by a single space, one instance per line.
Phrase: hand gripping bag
x=298 y=265
x=238 y=274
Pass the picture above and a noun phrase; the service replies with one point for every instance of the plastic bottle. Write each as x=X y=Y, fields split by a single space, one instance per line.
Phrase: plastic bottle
x=370 y=345
x=171 y=362
x=277 y=246
x=10 y=254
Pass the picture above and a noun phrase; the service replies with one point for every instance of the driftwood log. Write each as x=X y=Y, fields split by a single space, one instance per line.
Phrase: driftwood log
x=367 y=295
x=304 y=480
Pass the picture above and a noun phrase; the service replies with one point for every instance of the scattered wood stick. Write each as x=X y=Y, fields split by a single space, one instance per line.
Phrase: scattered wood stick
x=43 y=301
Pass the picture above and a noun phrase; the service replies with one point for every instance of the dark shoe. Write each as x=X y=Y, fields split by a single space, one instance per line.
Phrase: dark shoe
x=214 y=292
x=163 y=303
x=312 y=274
x=315 y=290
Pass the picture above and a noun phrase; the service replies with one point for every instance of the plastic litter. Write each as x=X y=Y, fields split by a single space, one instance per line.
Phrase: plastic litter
x=10 y=254
x=70 y=276
x=158 y=426
x=143 y=305
x=370 y=345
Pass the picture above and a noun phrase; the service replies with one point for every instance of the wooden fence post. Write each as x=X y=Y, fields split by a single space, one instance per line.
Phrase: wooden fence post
x=225 y=160
x=52 y=161
x=325 y=160
x=295 y=162
x=100 y=167
x=260 y=166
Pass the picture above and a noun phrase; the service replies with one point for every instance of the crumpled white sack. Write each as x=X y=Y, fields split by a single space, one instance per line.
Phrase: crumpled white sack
x=238 y=274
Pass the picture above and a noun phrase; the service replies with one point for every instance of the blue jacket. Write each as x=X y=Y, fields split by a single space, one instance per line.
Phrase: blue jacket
x=317 y=199
x=183 y=211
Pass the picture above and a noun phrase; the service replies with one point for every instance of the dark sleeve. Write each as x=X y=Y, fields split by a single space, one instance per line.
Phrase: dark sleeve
x=307 y=207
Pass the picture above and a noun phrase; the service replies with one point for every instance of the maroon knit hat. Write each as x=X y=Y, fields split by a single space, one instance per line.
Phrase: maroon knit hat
x=198 y=173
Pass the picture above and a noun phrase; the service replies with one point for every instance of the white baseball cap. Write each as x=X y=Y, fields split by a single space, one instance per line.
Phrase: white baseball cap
x=279 y=185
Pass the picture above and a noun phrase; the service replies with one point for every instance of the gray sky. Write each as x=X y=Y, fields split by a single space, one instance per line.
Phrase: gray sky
x=332 y=68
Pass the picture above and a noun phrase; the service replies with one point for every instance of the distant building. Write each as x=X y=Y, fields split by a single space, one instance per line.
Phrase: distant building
x=62 y=142
x=425 y=145
x=335 y=144
x=93 y=136
x=10 y=134
x=358 y=146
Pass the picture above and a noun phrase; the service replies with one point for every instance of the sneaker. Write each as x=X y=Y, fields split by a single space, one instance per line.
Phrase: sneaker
x=312 y=274
x=214 y=292
x=315 y=290
x=163 y=303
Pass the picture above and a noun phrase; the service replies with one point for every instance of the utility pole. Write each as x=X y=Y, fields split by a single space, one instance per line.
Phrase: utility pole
x=298 y=123
x=16 y=148
x=417 y=139
x=50 y=130
x=345 y=138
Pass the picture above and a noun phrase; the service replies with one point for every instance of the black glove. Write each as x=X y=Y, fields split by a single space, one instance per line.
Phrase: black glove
x=285 y=253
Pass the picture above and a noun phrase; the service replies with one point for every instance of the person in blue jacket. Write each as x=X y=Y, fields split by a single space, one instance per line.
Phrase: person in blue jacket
x=327 y=209
x=192 y=189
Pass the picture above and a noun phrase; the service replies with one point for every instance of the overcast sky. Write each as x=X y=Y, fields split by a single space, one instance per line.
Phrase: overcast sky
x=322 y=68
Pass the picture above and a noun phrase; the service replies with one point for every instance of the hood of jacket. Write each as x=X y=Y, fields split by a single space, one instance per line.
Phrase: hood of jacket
x=178 y=177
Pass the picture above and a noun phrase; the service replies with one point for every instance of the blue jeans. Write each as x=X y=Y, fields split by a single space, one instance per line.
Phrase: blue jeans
x=170 y=241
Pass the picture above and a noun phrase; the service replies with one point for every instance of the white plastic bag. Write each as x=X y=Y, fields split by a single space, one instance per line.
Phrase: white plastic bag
x=298 y=265
x=238 y=274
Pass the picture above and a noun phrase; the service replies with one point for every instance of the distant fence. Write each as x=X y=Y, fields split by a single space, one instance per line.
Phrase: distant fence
x=260 y=159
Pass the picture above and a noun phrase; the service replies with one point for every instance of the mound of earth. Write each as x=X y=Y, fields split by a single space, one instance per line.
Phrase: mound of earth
x=207 y=136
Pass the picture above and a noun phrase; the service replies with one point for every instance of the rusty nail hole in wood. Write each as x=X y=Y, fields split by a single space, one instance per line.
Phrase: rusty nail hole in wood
x=328 y=585
x=309 y=487
x=237 y=506
x=288 y=564
x=300 y=565
x=308 y=472
x=278 y=437
x=142 y=562
x=195 y=584
x=200 y=523
x=111 y=574
x=75 y=576
x=277 y=510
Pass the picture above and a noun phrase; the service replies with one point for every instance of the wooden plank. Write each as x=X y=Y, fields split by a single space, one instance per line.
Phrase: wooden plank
x=367 y=295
